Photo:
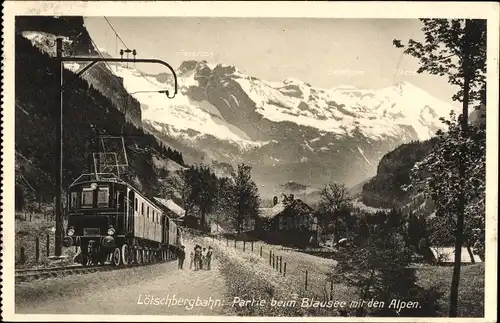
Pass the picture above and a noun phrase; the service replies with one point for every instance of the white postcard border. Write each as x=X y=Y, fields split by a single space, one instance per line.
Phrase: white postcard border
x=478 y=10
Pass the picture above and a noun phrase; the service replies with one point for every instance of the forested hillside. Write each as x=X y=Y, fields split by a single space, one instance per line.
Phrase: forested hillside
x=385 y=189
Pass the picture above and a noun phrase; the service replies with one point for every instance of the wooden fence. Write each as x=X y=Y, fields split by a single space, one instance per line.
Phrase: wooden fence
x=34 y=250
x=311 y=280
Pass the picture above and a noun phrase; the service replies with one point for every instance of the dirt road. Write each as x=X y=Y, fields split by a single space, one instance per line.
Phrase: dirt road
x=165 y=291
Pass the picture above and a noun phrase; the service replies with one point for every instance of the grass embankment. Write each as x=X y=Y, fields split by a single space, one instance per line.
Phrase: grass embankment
x=248 y=277
x=471 y=294
x=29 y=227
x=297 y=263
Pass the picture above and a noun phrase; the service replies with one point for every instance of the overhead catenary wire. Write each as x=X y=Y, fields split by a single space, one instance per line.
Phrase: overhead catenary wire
x=100 y=54
x=118 y=37
x=143 y=75
x=116 y=33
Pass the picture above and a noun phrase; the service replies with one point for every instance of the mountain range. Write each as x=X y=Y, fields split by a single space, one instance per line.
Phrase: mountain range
x=287 y=131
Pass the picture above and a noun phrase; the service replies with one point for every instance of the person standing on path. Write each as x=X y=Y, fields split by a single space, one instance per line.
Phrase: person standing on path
x=197 y=257
x=181 y=255
x=209 y=257
x=191 y=259
x=204 y=258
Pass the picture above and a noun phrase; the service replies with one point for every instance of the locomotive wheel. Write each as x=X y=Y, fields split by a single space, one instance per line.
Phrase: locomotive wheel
x=116 y=257
x=131 y=255
x=125 y=254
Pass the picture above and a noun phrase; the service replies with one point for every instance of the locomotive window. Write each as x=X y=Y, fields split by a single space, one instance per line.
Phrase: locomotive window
x=87 y=198
x=120 y=201
x=74 y=200
x=142 y=208
x=103 y=197
x=147 y=213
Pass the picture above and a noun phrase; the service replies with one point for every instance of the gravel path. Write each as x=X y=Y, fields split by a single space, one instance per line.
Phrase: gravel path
x=196 y=293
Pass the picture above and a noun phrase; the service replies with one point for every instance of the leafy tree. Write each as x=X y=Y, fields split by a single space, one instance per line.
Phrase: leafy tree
x=376 y=262
x=456 y=48
x=181 y=184
x=438 y=176
x=246 y=196
x=335 y=201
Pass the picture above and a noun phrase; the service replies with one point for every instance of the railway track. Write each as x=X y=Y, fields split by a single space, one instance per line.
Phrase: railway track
x=26 y=275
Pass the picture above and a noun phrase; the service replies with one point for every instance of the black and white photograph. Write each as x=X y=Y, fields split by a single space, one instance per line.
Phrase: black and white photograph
x=224 y=161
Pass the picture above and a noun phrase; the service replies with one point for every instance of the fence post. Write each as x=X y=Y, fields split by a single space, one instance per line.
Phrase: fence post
x=306 y=281
x=22 y=256
x=47 y=245
x=331 y=289
x=274 y=261
x=37 y=249
x=270 y=256
x=227 y=241
x=261 y=251
x=252 y=245
x=281 y=263
x=244 y=245
x=235 y=243
x=284 y=269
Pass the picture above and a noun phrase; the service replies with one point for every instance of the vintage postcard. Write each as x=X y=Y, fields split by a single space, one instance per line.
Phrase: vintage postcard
x=249 y=161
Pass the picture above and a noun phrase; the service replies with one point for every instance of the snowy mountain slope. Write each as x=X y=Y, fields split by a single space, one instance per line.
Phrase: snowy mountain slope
x=287 y=130
x=376 y=113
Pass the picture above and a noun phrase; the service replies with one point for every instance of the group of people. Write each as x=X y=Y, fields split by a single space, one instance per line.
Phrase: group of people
x=200 y=257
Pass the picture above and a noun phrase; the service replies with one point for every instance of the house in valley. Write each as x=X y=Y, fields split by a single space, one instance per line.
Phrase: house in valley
x=446 y=256
x=288 y=222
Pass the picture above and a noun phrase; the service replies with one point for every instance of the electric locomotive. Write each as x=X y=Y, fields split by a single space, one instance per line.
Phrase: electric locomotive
x=110 y=220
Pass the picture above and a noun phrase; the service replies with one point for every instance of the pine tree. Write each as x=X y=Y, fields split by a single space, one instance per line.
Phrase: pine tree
x=456 y=48
x=246 y=197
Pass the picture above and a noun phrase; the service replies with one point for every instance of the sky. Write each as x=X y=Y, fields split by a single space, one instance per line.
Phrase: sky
x=324 y=52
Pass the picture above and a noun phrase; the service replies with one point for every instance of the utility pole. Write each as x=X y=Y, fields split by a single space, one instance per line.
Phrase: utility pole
x=59 y=134
x=59 y=153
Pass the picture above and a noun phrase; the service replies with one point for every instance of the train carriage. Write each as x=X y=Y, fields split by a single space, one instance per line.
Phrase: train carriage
x=110 y=219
